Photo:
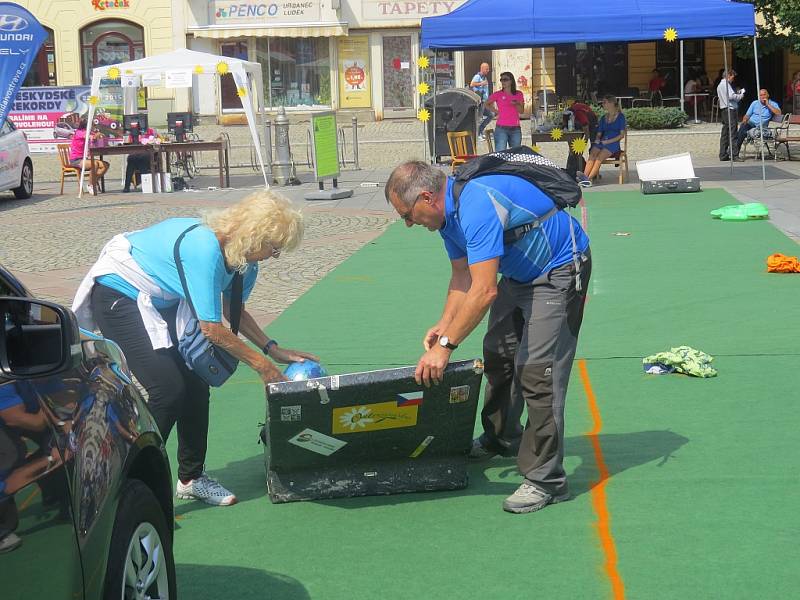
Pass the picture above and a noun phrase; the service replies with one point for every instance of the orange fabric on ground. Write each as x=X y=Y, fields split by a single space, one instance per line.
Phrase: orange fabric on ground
x=780 y=263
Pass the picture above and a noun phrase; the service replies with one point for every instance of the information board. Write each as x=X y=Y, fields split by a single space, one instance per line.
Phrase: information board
x=326 y=151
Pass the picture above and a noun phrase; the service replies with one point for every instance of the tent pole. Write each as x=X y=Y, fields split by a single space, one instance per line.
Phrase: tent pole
x=682 y=82
x=544 y=86
x=761 y=123
x=727 y=103
x=433 y=154
x=89 y=123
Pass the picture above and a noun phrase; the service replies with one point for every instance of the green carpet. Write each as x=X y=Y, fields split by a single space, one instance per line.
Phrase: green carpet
x=703 y=481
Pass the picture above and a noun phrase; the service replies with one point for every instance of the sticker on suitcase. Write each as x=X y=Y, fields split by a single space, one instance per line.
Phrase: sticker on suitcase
x=317 y=442
x=373 y=417
x=291 y=413
x=459 y=394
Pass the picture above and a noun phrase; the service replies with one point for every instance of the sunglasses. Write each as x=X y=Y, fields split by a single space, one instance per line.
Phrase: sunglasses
x=505 y=79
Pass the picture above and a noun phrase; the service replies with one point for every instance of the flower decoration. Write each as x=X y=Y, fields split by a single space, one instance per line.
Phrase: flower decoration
x=357 y=417
x=423 y=62
x=579 y=145
x=241 y=92
x=423 y=88
x=423 y=114
x=670 y=34
x=222 y=67
x=556 y=134
x=198 y=70
x=93 y=100
x=113 y=73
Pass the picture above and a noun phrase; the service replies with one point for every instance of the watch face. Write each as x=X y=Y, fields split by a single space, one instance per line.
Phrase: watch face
x=444 y=340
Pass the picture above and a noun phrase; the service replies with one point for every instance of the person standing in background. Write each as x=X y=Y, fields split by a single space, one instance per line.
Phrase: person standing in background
x=509 y=104
x=480 y=85
x=729 y=114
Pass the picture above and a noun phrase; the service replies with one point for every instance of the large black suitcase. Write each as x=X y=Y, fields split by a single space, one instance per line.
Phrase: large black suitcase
x=370 y=433
x=671 y=186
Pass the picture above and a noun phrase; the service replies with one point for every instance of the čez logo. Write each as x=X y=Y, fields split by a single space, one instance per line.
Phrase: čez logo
x=12 y=23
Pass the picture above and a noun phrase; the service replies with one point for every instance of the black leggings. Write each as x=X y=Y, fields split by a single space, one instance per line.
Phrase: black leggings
x=136 y=162
x=176 y=394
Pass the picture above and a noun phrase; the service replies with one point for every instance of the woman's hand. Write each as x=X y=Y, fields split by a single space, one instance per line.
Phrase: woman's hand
x=286 y=355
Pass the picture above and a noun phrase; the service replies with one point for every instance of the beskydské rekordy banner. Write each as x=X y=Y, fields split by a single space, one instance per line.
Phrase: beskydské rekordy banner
x=21 y=36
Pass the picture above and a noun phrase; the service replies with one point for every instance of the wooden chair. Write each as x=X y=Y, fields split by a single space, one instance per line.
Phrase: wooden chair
x=459 y=148
x=784 y=137
x=67 y=170
x=621 y=160
x=489 y=135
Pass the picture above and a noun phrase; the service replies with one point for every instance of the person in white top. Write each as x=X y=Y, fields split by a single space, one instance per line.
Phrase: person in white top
x=729 y=111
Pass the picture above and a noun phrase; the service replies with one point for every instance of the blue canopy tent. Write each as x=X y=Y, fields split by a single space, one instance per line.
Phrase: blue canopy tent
x=488 y=24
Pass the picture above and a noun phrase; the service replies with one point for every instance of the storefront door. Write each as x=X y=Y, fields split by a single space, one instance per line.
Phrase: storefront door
x=230 y=99
x=399 y=68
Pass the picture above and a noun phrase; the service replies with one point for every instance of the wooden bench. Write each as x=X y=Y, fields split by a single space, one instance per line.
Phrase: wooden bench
x=785 y=136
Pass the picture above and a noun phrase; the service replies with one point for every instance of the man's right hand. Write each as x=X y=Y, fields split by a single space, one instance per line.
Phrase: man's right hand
x=432 y=336
x=269 y=373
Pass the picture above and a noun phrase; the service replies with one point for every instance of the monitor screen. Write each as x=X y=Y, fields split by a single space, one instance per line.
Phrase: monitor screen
x=184 y=118
x=130 y=121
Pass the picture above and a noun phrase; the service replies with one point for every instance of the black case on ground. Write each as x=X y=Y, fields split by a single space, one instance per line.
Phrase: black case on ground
x=671 y=186
x=370 y=433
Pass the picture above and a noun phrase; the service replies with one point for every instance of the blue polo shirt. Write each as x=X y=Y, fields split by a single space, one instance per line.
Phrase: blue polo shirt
x=481 y=90
x=758 y=113
x=491 y=204
x=203 y=263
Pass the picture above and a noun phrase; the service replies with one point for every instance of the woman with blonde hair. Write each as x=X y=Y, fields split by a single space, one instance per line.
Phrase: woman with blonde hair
x=135 y=296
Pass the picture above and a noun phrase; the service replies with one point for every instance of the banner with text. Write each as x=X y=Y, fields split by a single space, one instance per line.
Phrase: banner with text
x=386 y=10
x=354 y=79
x=21 y=36
x=229 y=12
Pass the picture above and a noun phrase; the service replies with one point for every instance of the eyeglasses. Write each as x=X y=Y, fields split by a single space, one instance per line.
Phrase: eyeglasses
x=276 y=252
x=408 y=216
x=505 y=79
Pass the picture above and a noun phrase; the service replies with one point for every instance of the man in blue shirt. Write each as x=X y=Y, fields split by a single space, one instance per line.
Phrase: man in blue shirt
x=760 y=113
x=480 y=85
x=535 y=310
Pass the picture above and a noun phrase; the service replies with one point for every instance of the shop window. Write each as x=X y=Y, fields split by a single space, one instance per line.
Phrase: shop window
x=669 y=64
x=43 y=68
x=296 y=71
x=108 y=43
x=443 y=63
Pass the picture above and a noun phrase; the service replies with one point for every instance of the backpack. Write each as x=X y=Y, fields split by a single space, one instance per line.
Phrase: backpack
x=524 y=163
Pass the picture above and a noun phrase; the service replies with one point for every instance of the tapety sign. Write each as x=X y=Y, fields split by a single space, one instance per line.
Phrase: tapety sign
x=386 y=10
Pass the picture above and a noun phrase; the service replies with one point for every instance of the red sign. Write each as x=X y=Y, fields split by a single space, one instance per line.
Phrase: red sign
x=354 y=76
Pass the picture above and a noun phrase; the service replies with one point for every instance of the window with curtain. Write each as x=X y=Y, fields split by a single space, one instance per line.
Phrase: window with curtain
x=109 y=42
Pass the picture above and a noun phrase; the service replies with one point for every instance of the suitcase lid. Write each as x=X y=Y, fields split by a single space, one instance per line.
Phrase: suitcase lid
x=676 y=166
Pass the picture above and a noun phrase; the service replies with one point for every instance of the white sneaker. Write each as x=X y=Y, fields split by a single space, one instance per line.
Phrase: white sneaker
x=89 y=189
x=206 y=489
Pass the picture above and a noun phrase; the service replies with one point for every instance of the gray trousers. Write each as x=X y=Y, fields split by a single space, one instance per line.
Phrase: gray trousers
x=528 y=352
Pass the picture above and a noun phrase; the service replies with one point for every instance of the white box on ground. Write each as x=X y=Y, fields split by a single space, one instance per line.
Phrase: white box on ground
x=667 y=174
x=166 y=182
x=151 y=184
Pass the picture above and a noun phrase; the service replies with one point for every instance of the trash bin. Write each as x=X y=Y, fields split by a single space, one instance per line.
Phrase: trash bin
x=456 y=110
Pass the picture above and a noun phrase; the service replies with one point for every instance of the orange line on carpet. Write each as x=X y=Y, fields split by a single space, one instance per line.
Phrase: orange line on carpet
x=599 y=490
x=28 y=500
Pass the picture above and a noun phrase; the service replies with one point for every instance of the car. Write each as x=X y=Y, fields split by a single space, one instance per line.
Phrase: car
x=16 y=166
x=64 y=130
x=85 y=484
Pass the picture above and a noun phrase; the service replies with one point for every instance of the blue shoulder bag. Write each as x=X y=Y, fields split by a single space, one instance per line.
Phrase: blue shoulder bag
x=211 y=363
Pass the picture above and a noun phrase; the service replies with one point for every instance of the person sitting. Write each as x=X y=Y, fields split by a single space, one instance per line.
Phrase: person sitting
x=792 y=87
x=585 y=120
x=657 y=82
x=692 y=87
x=760 y=113
x=138 y=161
x=99 y=167
x=610 y=132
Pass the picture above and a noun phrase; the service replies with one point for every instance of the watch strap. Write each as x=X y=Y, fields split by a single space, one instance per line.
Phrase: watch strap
x=268 y=346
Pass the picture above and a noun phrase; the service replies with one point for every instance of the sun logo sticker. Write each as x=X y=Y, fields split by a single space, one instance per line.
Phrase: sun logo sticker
x=670 y=34
x=423 y=114
x=241 y=92
x=579 y=145
x=423 y=88
x=556 y=134
x=198 y=70
x=222 y=67
x=536 y=149
x=113 y=73
x=423 y=62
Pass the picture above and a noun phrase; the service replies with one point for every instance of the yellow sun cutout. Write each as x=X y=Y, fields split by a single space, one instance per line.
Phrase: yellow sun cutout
x=423 y=115
x=198 y=70
x=671 y=34
x=556 y=134
x=128 y=71
x=93 y=100
x=113 y=73
x=536 y=149
x=241 y=92
x=423 y=62
x=222 y=68
x=579 y=145
x=423 y=88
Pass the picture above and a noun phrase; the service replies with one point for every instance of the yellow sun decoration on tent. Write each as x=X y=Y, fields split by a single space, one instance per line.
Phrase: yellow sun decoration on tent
x=93 y=100
x=536 y=149
x=556 y=134
x=579 y=145
x=198 y=70
x=113 y=73
x=671 y=34
x=241 y=92
x=423 y=114
x=222 y=68
x=423 y=62
x=423 y=88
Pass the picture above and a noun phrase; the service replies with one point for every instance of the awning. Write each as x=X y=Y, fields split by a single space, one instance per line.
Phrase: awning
x=294 y=30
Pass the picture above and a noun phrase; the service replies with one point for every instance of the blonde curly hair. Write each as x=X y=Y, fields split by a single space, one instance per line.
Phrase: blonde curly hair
x=263 y=217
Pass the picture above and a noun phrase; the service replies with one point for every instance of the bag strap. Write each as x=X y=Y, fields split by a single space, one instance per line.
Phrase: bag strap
x=236 y=291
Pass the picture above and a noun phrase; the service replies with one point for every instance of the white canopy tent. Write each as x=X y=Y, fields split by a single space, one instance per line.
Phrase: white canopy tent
x=246 y=75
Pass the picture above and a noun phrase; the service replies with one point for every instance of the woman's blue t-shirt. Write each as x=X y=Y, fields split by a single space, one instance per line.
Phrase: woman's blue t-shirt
x=203 y=263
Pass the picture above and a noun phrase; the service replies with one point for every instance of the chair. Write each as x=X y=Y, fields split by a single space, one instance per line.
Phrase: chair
x=645 y=98
x=715 y=109
x=784 y=137
x=769 y=143
x=620 y=160
x=489 y=136
x=552 y=100
x=67 y=170
x=459 y=148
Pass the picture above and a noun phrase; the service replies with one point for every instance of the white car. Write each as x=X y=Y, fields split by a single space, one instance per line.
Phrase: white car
x=16 y=166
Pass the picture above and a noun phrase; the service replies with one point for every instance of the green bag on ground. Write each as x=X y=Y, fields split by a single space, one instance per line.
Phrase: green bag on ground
x=686 y=360
x=741 y=212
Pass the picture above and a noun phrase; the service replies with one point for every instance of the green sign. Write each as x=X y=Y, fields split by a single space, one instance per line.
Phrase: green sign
x=326 y=151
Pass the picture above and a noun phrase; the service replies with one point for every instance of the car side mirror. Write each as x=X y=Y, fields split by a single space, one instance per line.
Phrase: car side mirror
x=37 y=338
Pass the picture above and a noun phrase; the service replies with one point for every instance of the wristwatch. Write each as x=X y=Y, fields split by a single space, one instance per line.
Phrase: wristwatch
x=444 y=342
x=268 y=346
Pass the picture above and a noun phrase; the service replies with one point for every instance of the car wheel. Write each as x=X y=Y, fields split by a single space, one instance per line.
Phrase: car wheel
x=140 y=561
x=25 y=189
